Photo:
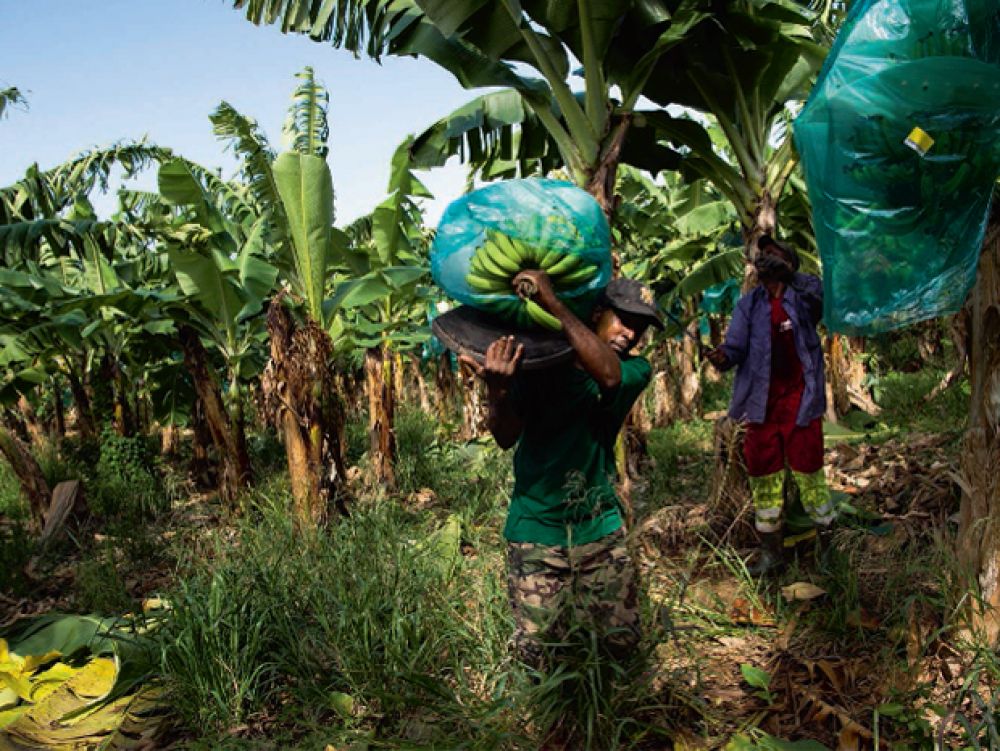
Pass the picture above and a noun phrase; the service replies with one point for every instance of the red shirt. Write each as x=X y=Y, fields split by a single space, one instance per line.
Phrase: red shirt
x=787 y=383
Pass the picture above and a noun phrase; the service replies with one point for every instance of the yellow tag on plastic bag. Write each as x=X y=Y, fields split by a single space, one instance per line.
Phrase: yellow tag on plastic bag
x=919 y=141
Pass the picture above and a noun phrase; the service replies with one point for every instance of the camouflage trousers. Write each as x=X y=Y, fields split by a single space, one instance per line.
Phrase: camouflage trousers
x=556 y=589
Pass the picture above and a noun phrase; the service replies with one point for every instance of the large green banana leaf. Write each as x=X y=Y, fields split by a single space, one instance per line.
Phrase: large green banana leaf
x=306 y=189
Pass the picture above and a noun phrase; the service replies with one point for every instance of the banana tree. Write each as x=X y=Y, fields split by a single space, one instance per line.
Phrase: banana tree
x=49 y=231
x=743 y=70
x=394 y=247
x=299 y=389
x=216 y=247
x=527 y=48
x=678 y=237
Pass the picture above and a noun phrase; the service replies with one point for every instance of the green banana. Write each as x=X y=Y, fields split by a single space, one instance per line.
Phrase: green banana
x=514 y=250
x=577 y=277
x=541 y=316
x=487 y=284
x=499 y=258
x=566 y=265
x=550 y=259
x=492 y=267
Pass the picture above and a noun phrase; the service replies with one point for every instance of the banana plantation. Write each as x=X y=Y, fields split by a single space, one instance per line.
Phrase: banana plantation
x=256 y=494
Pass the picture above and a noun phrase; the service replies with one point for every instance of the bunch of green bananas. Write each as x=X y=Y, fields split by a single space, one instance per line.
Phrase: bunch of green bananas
x=500 y=258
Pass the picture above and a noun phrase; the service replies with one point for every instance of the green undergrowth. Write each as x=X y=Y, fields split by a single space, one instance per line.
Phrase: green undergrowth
x=389 y=628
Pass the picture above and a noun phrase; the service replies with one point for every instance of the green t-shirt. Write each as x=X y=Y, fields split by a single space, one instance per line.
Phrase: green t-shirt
x=564 y=465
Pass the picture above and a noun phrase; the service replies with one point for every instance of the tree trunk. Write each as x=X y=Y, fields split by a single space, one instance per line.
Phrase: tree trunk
x=979 y=525
x=28 y=473
x=379 y=378
x=418 y=377
x=84 y=412
x=764 y=222
x=847 y=376
x=398 y=379
x=444 y=380
x=300 y=399
x=689 y=377
x=201 y=464
x=664 y=405
x=601 y=181
x=473 y=406
x=227 y=434
x=168 y=440
x=57 y=410
x=36 y=433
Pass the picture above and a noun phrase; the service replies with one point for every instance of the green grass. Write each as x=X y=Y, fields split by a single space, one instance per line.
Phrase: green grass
x=379 y=629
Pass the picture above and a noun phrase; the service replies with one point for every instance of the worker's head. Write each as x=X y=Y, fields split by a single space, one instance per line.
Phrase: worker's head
x=767 y=245
x=626 y=310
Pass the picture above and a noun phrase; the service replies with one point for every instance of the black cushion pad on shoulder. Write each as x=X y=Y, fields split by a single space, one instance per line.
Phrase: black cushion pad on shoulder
x=465 y=329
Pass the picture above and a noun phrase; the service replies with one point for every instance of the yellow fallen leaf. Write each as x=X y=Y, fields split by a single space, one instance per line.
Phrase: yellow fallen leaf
x=33 y=662
x=154 y=603
x=7 y=716
x=802 y=591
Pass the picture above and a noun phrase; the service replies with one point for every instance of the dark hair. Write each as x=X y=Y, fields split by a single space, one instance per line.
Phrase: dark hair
x=789 y=253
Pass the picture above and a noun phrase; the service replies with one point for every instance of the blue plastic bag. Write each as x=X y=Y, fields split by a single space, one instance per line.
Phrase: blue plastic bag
x=549 y=214
x=900 y=143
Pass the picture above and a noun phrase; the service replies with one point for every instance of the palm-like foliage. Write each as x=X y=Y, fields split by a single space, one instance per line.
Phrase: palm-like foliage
x=742 y=71
x=11 y=97
x=526 y=47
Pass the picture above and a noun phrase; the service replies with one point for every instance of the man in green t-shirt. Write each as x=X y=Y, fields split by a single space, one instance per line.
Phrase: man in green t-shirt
x=566 y=554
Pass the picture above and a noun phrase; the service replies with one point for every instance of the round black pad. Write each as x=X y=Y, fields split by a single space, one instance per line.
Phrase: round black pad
x=471 y=331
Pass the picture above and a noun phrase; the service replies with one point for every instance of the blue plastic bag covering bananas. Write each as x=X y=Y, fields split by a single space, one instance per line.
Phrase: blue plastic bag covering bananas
x=486 y=237
x=900 y=142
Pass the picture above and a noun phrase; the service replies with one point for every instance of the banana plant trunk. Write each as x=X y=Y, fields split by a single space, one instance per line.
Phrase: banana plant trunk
x=446 y=386
x=602 y=178
x=168 y=440
x=28 y=473
x=36 y=432
x=979 y=519
x=380 y=382
x=422 y=391
x=57 y=410
x=300 y=399
x=847 y=376
x=473 y=406
x=763 y=221
x=84 y=411
x=201 y=467
x=227 y=434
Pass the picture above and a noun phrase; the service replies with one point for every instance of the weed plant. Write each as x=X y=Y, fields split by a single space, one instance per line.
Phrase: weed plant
x=287 y=622
x=12 y=503
x=124 y=483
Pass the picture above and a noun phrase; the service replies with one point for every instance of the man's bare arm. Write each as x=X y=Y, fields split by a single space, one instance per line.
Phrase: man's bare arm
x=597 y=358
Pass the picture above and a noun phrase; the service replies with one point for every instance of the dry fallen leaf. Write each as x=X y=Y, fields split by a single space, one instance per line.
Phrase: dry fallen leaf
x=802 y=591
x=744 y=613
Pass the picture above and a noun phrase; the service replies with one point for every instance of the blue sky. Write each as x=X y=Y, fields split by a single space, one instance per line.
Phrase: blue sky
x=105 y=70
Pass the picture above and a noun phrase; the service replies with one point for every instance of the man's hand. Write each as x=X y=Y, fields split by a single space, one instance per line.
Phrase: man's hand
x=717 y=357
x=538 y=280
x=773 y=267
x=503 y=357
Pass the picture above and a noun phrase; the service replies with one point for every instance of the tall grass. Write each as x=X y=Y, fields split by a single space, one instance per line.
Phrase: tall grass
x=382 y=628
x=277 y=621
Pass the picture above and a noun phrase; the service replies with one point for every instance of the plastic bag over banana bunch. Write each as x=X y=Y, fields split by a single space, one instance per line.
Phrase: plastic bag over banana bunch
x=900 y=142
x=487 y=237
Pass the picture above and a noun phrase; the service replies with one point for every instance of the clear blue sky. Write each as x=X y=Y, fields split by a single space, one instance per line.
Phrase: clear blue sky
x=105 y=70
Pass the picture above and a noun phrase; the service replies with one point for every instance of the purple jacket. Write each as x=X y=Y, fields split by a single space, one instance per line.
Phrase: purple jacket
x=748 y=346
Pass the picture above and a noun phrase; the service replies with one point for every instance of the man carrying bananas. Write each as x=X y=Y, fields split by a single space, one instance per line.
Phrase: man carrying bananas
x=780 y=393
x=567 y=560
